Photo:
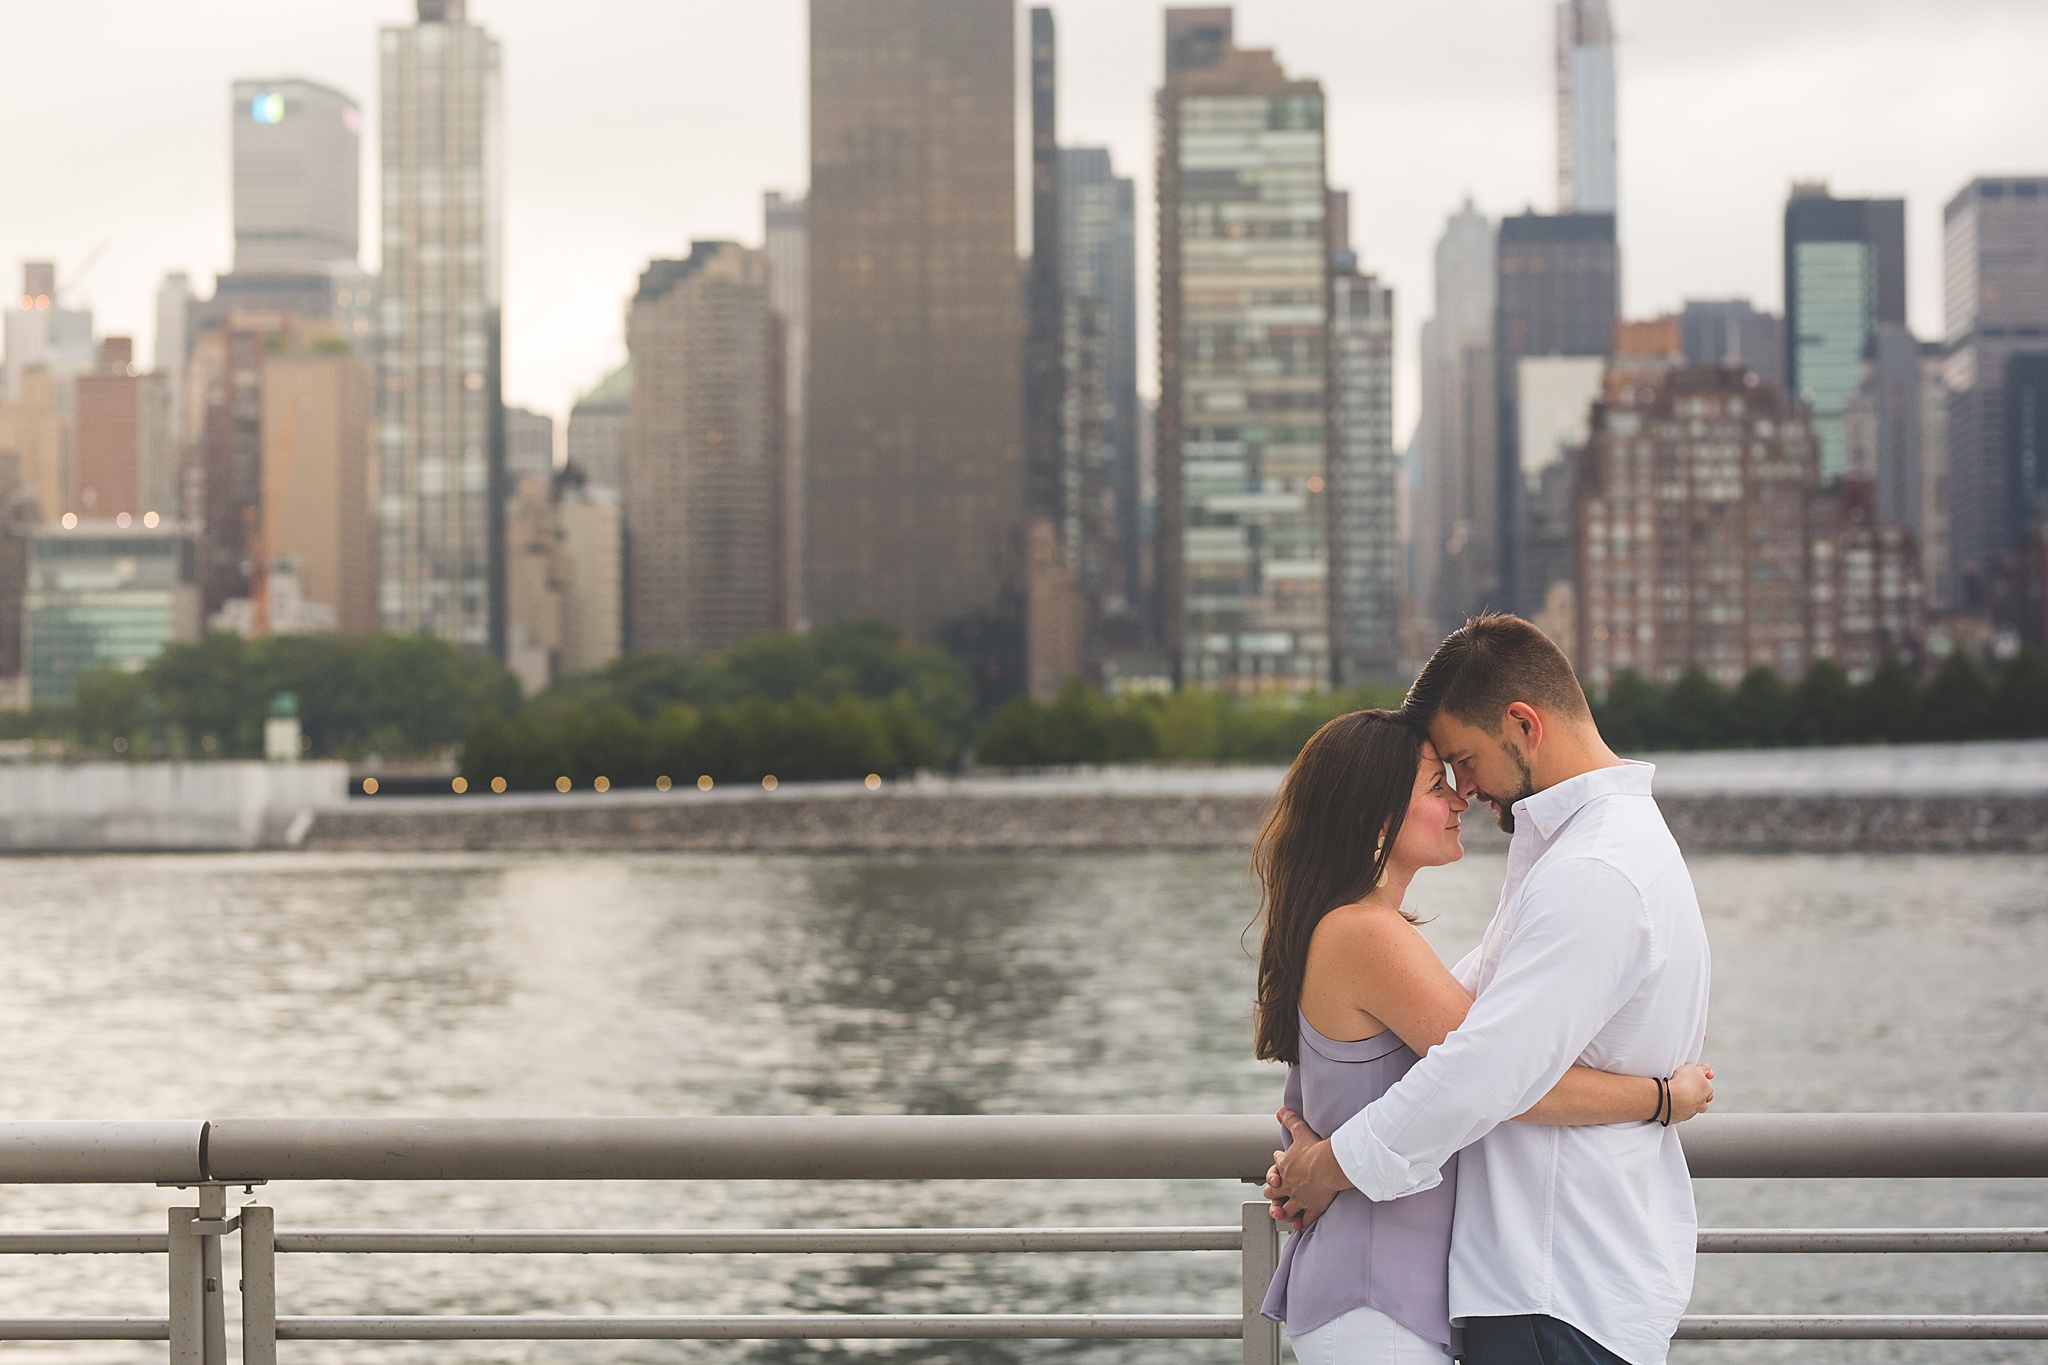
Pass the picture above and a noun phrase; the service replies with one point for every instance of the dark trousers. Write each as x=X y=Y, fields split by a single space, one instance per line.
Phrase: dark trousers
x=1532 y=1339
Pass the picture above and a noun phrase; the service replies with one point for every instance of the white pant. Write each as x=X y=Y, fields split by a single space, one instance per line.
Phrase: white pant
x=1366 y=1336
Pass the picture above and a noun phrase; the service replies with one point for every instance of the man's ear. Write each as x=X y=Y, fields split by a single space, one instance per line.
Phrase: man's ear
x=1526 y=721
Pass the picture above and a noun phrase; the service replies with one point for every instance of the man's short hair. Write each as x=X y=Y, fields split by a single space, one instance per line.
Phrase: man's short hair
x=1489 y=663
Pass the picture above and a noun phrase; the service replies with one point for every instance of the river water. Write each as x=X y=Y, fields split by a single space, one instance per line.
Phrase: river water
x=304 y=985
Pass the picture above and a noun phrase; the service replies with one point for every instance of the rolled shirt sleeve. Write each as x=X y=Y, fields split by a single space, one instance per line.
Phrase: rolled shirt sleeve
x=1579 y=949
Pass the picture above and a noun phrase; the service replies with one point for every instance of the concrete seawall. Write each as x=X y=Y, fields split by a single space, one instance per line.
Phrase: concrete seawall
x=827 y=819
x=119 y=807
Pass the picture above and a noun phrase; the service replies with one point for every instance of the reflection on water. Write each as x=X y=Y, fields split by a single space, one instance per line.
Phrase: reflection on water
x=147 y=987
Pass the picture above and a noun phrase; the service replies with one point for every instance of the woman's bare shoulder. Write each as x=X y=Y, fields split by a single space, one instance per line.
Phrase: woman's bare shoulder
x=1360 y=925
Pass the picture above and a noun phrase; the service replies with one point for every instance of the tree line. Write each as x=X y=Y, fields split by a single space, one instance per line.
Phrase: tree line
x=847 y=700
x=384 y=694
x=1082 y=726
x=841 y=701
x=1964 y=699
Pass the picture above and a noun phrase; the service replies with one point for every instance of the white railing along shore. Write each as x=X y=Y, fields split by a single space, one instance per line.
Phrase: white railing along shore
x=210 y=1157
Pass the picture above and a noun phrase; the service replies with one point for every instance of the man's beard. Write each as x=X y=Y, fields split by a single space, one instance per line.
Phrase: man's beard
x=1504 y=808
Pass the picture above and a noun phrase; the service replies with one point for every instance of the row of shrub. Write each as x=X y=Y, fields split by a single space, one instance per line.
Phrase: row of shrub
x=1083 y=726
x=857 y=659
x=1964 y=699
x=798 y=740
x=384 y=694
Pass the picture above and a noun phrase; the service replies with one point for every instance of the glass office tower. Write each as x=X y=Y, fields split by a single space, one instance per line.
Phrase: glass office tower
x=441 y=417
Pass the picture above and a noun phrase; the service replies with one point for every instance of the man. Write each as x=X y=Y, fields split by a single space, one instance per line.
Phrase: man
x=1571 y=1245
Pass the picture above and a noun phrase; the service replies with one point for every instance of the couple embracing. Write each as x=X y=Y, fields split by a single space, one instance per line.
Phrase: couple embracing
x=1481 y=1161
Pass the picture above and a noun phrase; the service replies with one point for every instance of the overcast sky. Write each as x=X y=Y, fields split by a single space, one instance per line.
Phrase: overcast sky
x=636 y=125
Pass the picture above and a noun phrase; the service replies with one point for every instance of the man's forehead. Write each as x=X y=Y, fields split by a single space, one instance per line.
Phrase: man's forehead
x=1454 y=739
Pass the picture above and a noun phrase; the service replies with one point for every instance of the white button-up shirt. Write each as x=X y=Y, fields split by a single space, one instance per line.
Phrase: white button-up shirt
x=1597 y=955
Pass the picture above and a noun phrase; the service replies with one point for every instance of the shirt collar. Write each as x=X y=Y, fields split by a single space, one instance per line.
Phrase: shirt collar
x=1549 y=809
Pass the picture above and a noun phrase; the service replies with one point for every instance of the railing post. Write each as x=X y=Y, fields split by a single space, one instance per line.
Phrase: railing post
x=259 y=1285
x=211 y=1223
x=1261 y=1257
x=186 y=1303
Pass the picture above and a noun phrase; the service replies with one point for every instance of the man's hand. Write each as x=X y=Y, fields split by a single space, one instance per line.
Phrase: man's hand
x=1304 y=1178
x=1692 y=1090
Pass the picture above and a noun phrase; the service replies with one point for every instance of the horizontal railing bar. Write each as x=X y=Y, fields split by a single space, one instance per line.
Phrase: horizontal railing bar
x=1032 y=1147
x=92 y=1152
x=1075 y=1327
x=1928 y=1327
x=921 y=1240
x=776 y=1327
x=85 y=1242
x=1820 y=1240
x=864 y=1147
x=919 y=1147
x=1866 y=1146
x=743 y=1241
x=85 y=1329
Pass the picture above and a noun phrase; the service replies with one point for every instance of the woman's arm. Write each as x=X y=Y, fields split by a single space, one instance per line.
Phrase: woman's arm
x=1369 y=968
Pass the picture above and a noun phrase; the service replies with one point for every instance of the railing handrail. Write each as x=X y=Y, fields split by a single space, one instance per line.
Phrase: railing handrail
x=915 y=1147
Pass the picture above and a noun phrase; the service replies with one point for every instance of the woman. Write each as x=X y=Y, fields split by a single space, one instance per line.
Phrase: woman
x=1350 y=995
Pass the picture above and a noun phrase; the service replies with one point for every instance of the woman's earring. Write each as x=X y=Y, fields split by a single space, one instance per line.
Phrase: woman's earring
x=1379 y=857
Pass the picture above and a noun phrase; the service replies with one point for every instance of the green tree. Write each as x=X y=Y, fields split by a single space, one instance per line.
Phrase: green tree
x=1630 y=713
x=1888 y=704
x=2021 y=702
x=109 y=704
x=1760 y=713
x=1959 y=703
x=1823 y=706
x=1190 y=726
x=1697 y=713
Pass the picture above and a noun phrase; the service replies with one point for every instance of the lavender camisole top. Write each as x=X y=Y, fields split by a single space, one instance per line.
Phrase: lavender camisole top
x=1393 y=1256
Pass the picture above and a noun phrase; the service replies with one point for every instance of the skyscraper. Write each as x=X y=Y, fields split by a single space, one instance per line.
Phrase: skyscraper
x=1056 y=600
x=42 y=332
x=297 y=172
x=1693 y=528
x=1243 y=364
x=318 y=527
x=1995 y=287
x=441 y=415
x=914 y=484
x=1558 y=294
x=1883 y=429
x=1587 y=178
x=529 y=445
x=1456 y=450
x=786 y=243
x=1733 y=332
x=122 y=449
x=1365 y=546
x=1099 y=430
x=1845 y=272
x=701 y=482
x=598 y=427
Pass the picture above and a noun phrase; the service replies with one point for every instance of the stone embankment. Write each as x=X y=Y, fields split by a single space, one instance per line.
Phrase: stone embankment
x=1065 y=815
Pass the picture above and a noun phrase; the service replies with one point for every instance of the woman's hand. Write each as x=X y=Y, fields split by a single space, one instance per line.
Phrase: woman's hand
x=1692 y=1090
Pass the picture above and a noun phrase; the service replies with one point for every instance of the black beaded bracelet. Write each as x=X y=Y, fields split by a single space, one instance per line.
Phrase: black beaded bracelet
x=1666 y=1119
x=1663 y=1096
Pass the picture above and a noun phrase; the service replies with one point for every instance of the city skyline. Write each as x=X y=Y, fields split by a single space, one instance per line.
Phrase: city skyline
x=1871 y=107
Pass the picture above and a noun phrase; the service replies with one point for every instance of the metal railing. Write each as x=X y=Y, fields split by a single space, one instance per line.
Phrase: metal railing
x=213 y=1157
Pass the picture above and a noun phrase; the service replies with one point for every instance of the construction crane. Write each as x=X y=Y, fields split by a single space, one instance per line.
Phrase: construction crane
x=76 y=277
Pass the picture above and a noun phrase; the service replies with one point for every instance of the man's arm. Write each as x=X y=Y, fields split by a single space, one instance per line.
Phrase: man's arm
x=1578 y=953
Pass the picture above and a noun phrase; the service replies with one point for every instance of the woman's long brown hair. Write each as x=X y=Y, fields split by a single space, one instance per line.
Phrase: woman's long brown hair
x=1326 y=844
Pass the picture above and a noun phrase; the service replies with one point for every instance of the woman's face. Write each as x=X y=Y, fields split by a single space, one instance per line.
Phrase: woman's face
x=1429 y=835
